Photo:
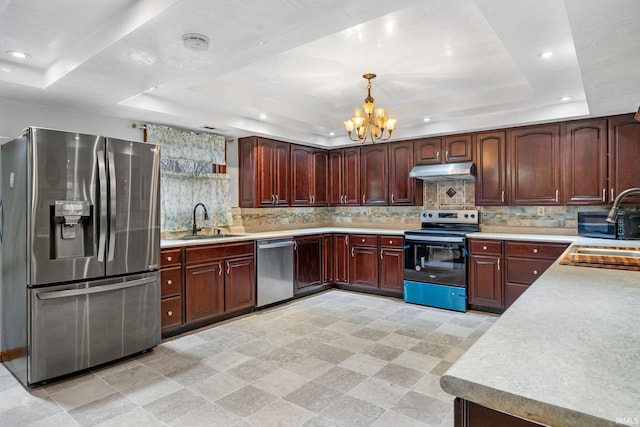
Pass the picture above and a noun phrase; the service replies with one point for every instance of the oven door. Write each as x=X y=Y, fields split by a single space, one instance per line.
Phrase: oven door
x=436 y=259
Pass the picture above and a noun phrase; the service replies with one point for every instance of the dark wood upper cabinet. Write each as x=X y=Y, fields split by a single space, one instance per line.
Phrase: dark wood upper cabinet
x=401 y=187
x=491 y=168
x=308 y=176
x=344 y=177
x=624 y=156
x=264 y=172
x=447 y=149
x=374 y=174
x=534 y=164
x=584 y=171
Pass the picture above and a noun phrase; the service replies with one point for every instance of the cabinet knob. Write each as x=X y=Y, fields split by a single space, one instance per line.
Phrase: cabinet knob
x=535 y=272
x=169 y=282
x=484 y=248
x=362 y=240
x=535 y=251
x=391 y=242
x=169 y=313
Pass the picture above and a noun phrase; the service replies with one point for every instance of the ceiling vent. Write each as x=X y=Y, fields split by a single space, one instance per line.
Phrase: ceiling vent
x=195 y=42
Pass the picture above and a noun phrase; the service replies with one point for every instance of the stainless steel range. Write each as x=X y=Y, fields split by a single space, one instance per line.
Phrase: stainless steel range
x=435 y=259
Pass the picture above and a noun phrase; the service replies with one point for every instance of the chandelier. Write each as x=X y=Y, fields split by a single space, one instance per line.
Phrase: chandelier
x=369 y=122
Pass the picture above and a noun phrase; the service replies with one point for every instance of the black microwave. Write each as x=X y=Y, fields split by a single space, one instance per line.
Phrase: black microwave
x=594 y=224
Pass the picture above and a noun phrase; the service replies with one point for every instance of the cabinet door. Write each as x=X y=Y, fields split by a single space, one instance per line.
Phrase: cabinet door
x=458 y=148
x=240 y=283
x=374 y=174
x=301 y=176
x=320 y=162
x=327 y=259
x=265 y=168
x=491 y=168
x=281 y=173
x=308 y=262
x=401 y=187
x=363 y=267
x=336 y=186
x=247 y=179
x=341 y=259
x=485 y=281
x=624 y=152
x=391 y=269
x=204 y=291
x=585 y=162
x=534 y=164
x=427 y=151
x=351 y=176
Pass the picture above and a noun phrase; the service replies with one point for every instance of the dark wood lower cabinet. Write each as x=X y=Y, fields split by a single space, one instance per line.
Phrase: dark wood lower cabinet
x=470 y=414
x=239 y=287
x=341 y=259
x=308 y=263
x=327 y=259
x=363 y=266
x=204 y=291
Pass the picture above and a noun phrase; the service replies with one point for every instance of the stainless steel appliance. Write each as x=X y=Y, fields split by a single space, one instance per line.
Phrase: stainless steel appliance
x=435 y=259
x=275 y=271
x=594 y=224
x=80 y=251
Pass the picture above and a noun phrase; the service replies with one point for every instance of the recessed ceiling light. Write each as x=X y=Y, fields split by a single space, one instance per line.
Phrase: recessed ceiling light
x=263 y=116
x=546 y=54
x=565 y=98
x=332 y=134
x=426 y=119
x=18 y=54
x=195 y=42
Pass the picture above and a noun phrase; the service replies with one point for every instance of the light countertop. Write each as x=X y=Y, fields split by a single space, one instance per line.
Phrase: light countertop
x=566 y=353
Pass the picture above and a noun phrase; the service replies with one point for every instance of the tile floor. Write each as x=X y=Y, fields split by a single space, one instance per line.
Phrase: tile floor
x=333 y=359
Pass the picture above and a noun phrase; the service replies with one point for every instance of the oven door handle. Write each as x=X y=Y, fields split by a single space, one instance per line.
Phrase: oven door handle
x=434 y=239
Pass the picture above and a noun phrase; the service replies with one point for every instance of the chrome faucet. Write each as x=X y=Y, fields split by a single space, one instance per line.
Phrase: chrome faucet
x=195 y=229
x=613 y=213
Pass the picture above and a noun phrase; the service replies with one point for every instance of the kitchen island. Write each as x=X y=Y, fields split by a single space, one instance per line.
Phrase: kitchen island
x=567 y=352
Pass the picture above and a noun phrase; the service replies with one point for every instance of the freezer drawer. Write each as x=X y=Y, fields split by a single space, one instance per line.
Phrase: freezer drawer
x=78 y=326
x=441 y=296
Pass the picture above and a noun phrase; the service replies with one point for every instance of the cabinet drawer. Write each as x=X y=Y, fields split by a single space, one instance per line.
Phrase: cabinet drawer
x=480 y=247
x=171 y=281
x=364 y=240
x=525 y=271
x=197 y=254
x=513 y=291
x=171 y=312
x=536 y=249
x=171 y=257
x=391 y=241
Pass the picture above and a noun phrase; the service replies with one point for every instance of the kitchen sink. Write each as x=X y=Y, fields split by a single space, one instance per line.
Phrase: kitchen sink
x=205 y=236
x=604 y=257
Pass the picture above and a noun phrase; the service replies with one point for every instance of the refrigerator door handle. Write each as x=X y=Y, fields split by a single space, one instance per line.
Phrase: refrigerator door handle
x=95 y=289
x=102 y=177
x=112 y=206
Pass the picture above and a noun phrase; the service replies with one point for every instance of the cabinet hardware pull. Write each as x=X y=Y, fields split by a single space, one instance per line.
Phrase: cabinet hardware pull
x=438 y=155
x=352 y=252
x=169 y=258
x=346 y=240
x=228 y=267
x=446 y=156
x=392 y=199
x=313 y=199
x=363 y=202
x=535 y=272
x=310 y=200
x=342 y=199
x=604 y=194
x=612 y=198
x=498 y=264
x=169 y=282
x=277 y=199
x=535 y=251
x=295 y=245
x=273 y=199
x=169 y=313
x=556 y=195
x=381 y=254
x=219 y=269
x=502 y=196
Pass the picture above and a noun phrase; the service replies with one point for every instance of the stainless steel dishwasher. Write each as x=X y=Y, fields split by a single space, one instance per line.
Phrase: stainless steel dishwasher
x=275 y=271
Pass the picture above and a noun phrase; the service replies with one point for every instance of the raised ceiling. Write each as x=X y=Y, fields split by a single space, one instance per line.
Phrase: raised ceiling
x=291 y=69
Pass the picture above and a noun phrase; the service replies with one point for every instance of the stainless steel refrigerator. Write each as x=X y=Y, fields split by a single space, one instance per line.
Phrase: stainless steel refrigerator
x=80 y=235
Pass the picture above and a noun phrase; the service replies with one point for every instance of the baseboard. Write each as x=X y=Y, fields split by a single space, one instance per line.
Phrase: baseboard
x=14 y=353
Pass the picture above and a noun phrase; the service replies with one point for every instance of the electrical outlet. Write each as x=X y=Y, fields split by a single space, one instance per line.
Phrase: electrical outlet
x=540 y=210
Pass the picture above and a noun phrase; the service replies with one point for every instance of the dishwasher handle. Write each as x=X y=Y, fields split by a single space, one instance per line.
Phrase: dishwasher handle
x=281 y=244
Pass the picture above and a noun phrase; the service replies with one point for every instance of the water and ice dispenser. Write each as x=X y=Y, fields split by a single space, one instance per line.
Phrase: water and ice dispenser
x=72 y=229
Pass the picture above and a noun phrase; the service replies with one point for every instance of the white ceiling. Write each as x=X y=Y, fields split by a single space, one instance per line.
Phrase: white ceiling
x=466 y=64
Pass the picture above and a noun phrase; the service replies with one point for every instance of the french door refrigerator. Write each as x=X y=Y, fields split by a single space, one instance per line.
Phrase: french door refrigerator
x=80 y=234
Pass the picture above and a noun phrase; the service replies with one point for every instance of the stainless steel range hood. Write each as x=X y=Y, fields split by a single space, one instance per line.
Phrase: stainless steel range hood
x=445 y=171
